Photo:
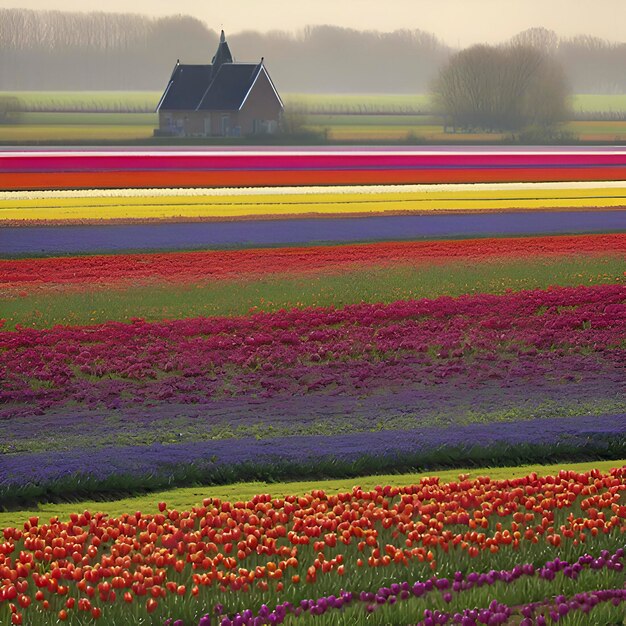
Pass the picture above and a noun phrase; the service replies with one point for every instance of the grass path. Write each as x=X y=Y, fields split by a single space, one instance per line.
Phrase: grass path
x=187 y=497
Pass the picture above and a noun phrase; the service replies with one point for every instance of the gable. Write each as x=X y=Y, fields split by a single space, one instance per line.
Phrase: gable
x=262 y=89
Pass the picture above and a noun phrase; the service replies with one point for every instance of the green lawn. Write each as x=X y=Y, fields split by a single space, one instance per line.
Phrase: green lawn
x=185 y=498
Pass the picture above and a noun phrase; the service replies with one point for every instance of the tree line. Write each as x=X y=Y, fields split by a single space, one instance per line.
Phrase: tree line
x=54 y=50
x=50 y=50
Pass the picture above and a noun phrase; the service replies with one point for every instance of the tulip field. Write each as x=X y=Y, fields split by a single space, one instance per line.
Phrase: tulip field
x=210 y=318
x=533 y=550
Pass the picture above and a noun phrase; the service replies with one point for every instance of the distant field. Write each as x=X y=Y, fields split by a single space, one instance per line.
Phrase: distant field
x=605 y=103
x=88 y=119
x=414 y=104
x=146 y=101
x=74 y=132
x=368 y=119
x=381 y=130
x=139 y=101
x=129 y=116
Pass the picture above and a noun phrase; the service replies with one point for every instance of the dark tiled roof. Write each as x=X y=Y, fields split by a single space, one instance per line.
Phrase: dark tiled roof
x=186 y=87
x=230 y=86
x=221 y=86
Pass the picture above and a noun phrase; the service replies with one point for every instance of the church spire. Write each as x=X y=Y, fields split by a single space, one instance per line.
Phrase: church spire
x=222 y=55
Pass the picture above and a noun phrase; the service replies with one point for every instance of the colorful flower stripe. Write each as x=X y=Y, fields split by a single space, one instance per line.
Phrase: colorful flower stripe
x=237 y=169
x=500 y=614
x=270 y=178
x=92 y=466
x=226 y=556
x=222 y=206
x=224 y=265
x=291 y=352
x=399 y=592
x=286 y=160
x=405 y=591
x=496 y=614
x=35 y=241
x=446 y=191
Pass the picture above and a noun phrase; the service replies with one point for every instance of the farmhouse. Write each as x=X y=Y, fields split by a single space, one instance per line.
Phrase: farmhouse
x=224 y=99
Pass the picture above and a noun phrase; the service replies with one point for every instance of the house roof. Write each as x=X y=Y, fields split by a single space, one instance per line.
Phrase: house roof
x=186 y=87
x=230 y=86
x=220 y=86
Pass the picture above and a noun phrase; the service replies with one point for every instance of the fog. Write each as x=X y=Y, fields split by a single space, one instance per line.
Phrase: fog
x=458 y=23
x=61 y=50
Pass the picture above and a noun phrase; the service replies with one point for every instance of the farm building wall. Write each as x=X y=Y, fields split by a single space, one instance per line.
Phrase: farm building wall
x=199 y=123
x=262 y=110
x=224 y=123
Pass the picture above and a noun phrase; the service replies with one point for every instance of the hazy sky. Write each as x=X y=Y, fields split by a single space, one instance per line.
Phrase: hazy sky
x=457 y=22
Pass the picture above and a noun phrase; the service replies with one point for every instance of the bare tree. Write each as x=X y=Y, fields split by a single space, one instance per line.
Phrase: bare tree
x=539 y=38
x=592 y=65
x=501 y=88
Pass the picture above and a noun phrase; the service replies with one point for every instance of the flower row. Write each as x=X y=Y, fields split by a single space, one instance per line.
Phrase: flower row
x=218 y=265
x=289 y=168
x=398 y=592
x=188 y=234
x=538 y=189
x=534 y=334
x=498 y=613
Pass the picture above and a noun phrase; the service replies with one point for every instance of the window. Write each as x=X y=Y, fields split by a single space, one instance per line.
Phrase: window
x=225 y=125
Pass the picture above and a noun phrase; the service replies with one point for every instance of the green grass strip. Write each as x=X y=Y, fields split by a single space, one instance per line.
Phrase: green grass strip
x=187 y=497
x=166 y=301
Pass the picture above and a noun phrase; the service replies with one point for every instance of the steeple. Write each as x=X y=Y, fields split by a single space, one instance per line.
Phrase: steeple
x=222 y=55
